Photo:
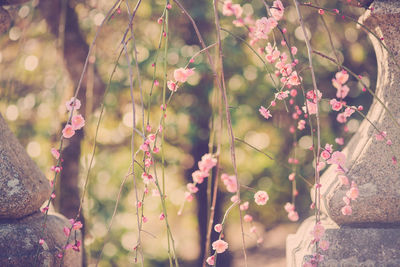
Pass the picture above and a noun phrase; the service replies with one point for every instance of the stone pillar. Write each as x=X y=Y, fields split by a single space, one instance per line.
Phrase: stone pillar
x=371 y=235
x=23 y=190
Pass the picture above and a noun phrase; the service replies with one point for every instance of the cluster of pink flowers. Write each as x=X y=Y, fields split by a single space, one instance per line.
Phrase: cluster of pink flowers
x=207 y=162
x=351 y=194
x=77 y=121
x=317 y=233
x=292 y=213
x=180 y=75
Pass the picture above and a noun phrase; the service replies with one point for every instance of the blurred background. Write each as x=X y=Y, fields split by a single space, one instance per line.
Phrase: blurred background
x=40 y=65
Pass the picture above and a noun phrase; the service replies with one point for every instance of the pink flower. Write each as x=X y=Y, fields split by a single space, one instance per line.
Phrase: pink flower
x=69 y=104
x=68 y=131
x=343 y=91
x=292 y=176
x=312 y=107
x=341 y=117
x=162 y=216
x=289 y=207
x=324 y=245
x=247 y=218
x=218 y=228
x=172 y=86
x=181 y=74
x=265 y=112
x=41 y=241
x=337 y=158
x=211 y=260
x=77 y=122
x=325 y=155
x=342 y=77
x=66 y=231
x=277 y=10
x=294 y=79
x=77 y=225
x=207 y=163
x=318 y=231
x=244 y=206
x=343 y=179
x=353 y=192
x=230 y=182
x=293 y=216
x=336 y=105
x=346 y=210
x=339 y=141
x=55 y=153
x=198 y=176
x=301 y=125
x=261 y=197
x=348 y=112
x=192 y=188
x=219 y=246
x=188 y=197
x=381 y=136
x=282 y=95
x=144 y=219
x=264 y=26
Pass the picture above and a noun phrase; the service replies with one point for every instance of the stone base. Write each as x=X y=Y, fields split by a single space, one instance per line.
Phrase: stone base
x=19 y=242
x=349 y=246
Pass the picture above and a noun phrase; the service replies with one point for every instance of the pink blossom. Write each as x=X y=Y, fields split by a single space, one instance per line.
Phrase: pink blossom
x=325 y=155
x=348 y=111
x=277 y=10
x=68 y=131
x=147 y=178
x=253 y=229
x=312 y=107
x=219 y=246
x=181 y=74
x=77 y=225
x=229 y=182
x=346 y=210
x=66 y=231
x=172 y=86
x=55 y=153
x=353 y=192
x=294 y=79
x=338 y=158
x=282 y=95
x=207 y=162
x=343 y=179
x=77 y=122
x=339 y=141
x=380 y=136
x=292 y=176
x=234 y=198
x=198 y=176
x=265 y=112
x=244 y=206
x=69 y=104
x=144 y=219
x=324 y=245
x=289 y=207
x=343 y=91
x=318 y=231
x=144 y=147
x=188 y=197
x=41 y=241
x=247 y=218
x=264 y=26
x=211 y=260
x=301 y=125
x=218 y=228
x=261 y=197
x=192 y=188
x=336 y=105
x=321 y=165
x=162 y=216
x=293 y=216
x=341 y=117
x=293 y=49
x=342 y=77
x=329 y=148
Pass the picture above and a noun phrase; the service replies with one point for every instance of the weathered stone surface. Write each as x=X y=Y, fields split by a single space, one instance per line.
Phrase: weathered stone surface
x=23 y=187
x=5 y=20
x=19 y=242
x=370 y=161
x=348 y=246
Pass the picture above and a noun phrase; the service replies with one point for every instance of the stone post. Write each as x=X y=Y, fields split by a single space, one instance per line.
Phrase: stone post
x=370 y=236
x=23 y=190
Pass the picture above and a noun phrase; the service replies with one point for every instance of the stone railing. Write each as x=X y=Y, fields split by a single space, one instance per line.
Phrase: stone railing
x=370 y=236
